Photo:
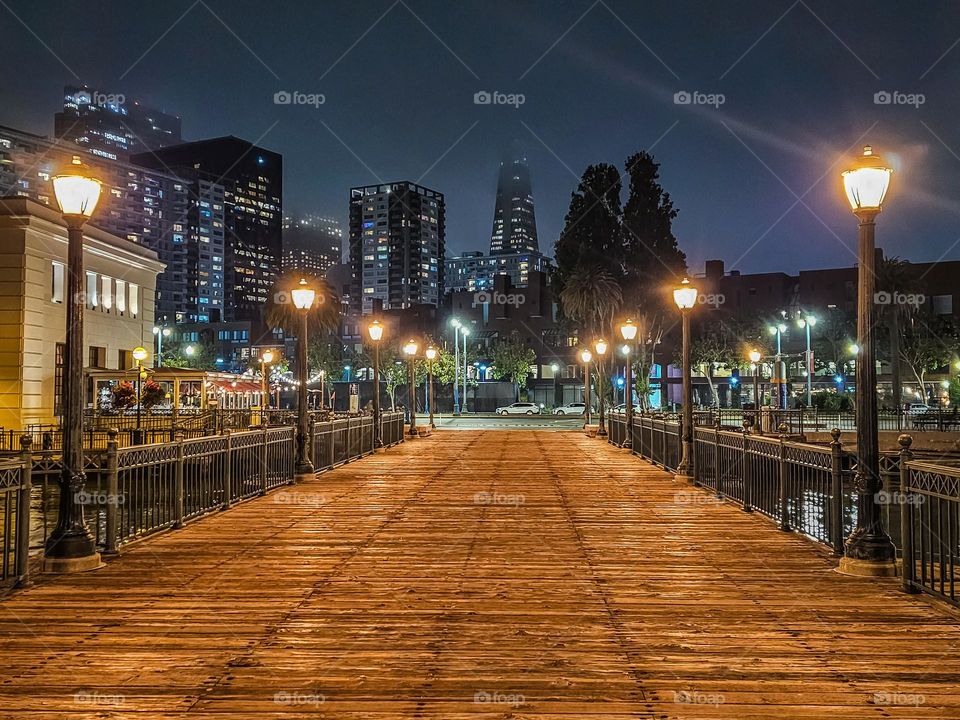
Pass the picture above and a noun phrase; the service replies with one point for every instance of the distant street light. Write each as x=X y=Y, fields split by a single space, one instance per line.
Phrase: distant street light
x=629 y=333
x=779 y=379
x=807 y=322
x=266 y=357
x=303 y=296
x=70 y=547
x=140 y=354
x=431 y=353
x=410 y=350
x=869 y=550
x=456 y=365
x=755 y=358
x=464 y=330
x=585 y=357
x=556 y=369
x=161 y=333
x=601 y=347
x=375 y=330
x=685 y=296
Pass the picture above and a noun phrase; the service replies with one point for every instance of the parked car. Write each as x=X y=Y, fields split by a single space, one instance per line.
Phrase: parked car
x=519 y=408
x=622 y=408
x=575 y=408
x=918 y=409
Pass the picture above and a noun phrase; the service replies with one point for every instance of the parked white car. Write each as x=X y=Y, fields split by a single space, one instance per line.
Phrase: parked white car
x=519 y=408
x=576 y=408
x=918 y=409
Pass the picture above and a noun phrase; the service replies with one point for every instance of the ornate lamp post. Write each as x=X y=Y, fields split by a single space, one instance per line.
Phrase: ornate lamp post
x=685 y=296
x=586 y=356
x=755 y=358
x=375 y=330
x=601 y=347
x=629 y=332
x=266 y=357
x=431 y=353
x=303 y=296
x=140 y=354
x=779 y=376
x=807 y=322
x=410 y=350
x=464 y=330
x=869 y=550
x=456 y=365
x=70 y=546
x=161 y=333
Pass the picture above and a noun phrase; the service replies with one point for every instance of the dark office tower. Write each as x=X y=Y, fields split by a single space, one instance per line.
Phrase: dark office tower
x=112 y=125
x=312 y=244
x=396 y=245
x=514 y=221
x=251 y=180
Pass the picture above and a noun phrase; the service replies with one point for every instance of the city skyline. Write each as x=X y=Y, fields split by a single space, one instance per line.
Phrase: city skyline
x=620 y=76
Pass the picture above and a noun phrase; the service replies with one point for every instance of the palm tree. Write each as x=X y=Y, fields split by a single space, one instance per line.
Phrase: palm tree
x=324 y=314
x=591 y=296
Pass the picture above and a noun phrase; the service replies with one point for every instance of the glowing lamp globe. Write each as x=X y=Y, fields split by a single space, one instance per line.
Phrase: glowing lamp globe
x=586 y=356
x=628 y=330
x=867 y=181
x=431 y=353
x=685 y=296
x=410 y=348
x=601 y=347
x=76 y=189
x=754 y=356
x=267 y=357
x=303 y=295
x=139 y=354
x=375 y=330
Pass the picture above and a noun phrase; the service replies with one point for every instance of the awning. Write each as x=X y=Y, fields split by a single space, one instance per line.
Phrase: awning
x=238 y=386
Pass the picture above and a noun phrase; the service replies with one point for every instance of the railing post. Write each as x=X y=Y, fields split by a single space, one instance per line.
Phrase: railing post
x=908 y=566
x=178 y=484
x=23 y=513
x=263 y=456
x=782 y=484
x=716 y=455
x=227 y=470
x=314 y=455
x=333 y=445
x=111 y=523
x=836 y=491
x=747 y=472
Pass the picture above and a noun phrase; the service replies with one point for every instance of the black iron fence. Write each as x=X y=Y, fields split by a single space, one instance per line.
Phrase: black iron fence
x=803 y=420
x=14 y=519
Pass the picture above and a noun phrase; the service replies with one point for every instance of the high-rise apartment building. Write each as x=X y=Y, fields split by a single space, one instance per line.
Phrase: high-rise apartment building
x=514 y=221
x=396 y=245
x=475 y=271
x=249 y=251
x=312 y=244
x=111 y=125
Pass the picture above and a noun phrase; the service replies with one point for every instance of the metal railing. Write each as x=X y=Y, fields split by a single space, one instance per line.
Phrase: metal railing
x=929 y=503
x=345 y=439
x=15 y=486
x=656 y=439
x=767 y=420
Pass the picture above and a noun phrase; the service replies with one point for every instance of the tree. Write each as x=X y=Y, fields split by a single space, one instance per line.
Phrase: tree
x=592 y=297
x=895 y=277
x=203 y=355
x=836 y=331
x=715 y=346
x=927 y=343
x=512 y=360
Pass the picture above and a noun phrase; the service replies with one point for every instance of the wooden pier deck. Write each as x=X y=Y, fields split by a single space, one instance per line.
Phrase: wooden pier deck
x=477 y=574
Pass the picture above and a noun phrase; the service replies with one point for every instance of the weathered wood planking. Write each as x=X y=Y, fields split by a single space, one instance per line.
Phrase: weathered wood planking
x=477 y=575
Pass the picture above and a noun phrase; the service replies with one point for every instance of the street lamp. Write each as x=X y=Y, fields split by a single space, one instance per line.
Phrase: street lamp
x=586 y=356
x=464 y=330
x=303 y=296
x=629 y=333
x=456 y=365
x=779 y=374
x=375 y=331
x=755 y=357
x=869 y=550
x=266 y=357
x=807 y=322
x=410 y=350
x=70 y=546
x=685 y=296
x=601 y=347
x=555 y=368
x=140 y=354
x=431 y=353
x=161 y=333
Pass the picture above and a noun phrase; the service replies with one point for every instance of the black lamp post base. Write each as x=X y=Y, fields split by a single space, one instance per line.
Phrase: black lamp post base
x=868 y=568
x=304 y=471
x=684 y=478
x=70 y=552
x=413 y=432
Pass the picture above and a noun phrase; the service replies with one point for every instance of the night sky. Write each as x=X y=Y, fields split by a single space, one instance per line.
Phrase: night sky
x=599 y=78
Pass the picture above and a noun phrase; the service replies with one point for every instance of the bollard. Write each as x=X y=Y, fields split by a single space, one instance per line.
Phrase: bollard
x=23 y=513
x=836 y=491
x=908 y=567
x=784 y=508
x=111 y=522
x=227 y=471
x=178 y=498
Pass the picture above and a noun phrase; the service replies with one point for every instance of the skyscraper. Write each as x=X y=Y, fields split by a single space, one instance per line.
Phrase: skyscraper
x=312 y=244
x=246 y=245
x=396 y=245
x=514 y=221
x=112 y=125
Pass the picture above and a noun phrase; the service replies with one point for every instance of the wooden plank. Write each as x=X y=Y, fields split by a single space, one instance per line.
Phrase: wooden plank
x=477 y=574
